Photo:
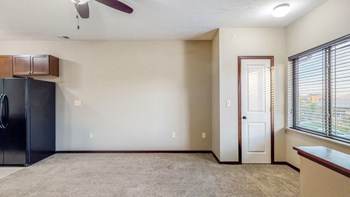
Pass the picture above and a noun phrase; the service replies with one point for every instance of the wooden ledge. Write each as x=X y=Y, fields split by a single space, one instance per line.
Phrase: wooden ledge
x=329 y=158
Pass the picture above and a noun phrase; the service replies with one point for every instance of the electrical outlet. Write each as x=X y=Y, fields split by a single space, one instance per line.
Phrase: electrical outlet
x=173 y=134
x=204 y=135
x=91 y=135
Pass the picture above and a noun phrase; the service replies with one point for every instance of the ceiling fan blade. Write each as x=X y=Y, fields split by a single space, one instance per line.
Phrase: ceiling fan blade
x=117 y=5
x=83 y=10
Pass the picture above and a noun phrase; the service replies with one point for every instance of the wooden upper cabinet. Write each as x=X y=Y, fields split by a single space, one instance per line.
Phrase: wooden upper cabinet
x=21 y=65
x=6 y=67
x=41 y=65
x=35 y=65
x=44 y=65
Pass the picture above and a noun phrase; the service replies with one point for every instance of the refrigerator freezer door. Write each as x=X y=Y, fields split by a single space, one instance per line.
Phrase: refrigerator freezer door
x=15 y=132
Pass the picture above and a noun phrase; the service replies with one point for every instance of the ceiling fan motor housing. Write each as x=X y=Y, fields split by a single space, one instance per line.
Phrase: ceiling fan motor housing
x=82 y=6
x=80 y=1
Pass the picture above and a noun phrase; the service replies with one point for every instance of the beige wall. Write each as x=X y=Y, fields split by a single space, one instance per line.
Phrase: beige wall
x=236 y=42
x=326 y=23
x=319 y=181
x=216 y=96
x=134 y=93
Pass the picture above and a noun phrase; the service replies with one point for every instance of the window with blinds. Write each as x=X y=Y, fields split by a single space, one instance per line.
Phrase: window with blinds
x=319 y=90
x=340 y=89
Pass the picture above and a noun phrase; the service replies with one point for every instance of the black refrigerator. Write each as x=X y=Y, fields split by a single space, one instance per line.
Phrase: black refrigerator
x=27 y=121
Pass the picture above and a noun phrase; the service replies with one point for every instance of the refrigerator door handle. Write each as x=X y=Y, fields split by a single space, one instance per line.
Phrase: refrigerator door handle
x=6 y=122
x=1 y=111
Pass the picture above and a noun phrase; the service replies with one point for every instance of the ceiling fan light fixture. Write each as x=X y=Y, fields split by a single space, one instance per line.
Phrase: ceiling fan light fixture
x=82 y=7
x=281 y=10
x=80 y=1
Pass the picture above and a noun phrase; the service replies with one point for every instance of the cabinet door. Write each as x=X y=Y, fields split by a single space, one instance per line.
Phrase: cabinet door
x=21 y=65
x=6 y=67
x=40 y=65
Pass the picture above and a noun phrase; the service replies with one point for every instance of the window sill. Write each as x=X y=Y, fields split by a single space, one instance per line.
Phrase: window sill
x=329 y=158
x=319 y=137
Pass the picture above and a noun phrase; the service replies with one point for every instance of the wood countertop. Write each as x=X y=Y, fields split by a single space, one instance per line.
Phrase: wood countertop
x=332 y=159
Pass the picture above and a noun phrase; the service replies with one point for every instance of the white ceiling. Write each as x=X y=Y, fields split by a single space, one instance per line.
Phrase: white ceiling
x=151 y=20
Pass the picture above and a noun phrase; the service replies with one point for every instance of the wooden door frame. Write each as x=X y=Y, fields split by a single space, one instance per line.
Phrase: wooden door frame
x=240 y=58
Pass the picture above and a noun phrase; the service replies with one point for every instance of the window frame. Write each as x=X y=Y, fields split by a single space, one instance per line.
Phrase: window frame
x=327 y=49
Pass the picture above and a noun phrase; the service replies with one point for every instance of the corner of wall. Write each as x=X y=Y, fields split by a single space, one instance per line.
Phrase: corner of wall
x=216 y=95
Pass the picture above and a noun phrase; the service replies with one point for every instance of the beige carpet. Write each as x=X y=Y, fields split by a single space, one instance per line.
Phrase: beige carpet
x=148 y=175
x=5 y=171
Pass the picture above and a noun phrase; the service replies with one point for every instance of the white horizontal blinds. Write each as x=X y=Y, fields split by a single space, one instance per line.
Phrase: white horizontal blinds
x=309 y=92
x=319 y=90
x=290 y=95
x=340 y=89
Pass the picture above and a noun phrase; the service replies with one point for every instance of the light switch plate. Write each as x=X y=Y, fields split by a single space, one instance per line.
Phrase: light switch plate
x=204 y=135
x=173 y=134
x=228 y=103
x=77 y=103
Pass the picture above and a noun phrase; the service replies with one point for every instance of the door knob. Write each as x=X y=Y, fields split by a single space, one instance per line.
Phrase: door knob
x=244 y=117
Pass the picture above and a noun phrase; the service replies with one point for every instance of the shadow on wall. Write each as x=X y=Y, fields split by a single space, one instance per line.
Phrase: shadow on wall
x=279 y=110
x=198 y=91
x=67 y=84
x=206 y=36
x=66 y=88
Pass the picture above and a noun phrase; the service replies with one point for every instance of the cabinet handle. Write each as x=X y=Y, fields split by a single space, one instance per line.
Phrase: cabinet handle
x=5 y=124
x=1 y=110
x=4 y=104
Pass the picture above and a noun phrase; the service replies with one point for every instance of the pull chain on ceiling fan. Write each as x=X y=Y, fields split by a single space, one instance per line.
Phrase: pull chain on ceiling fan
x=82 y=6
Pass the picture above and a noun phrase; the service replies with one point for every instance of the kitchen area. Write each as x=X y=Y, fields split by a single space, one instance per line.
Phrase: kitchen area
x=27 y=110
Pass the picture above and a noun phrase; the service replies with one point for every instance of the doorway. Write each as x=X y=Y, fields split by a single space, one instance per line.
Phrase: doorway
x=255 y=109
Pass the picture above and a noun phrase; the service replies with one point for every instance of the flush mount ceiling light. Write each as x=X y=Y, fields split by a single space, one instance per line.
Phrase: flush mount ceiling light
x=281 y=10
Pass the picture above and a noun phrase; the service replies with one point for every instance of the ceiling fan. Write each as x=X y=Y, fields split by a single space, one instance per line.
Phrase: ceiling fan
x=82 y=6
